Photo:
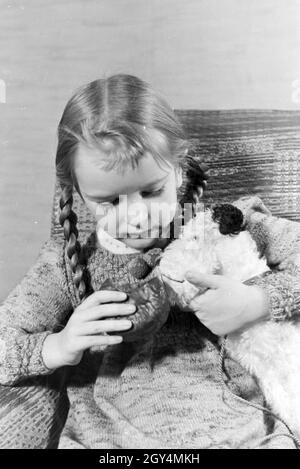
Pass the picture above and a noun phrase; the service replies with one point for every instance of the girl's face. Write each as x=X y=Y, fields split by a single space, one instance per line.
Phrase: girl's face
x=135 y=206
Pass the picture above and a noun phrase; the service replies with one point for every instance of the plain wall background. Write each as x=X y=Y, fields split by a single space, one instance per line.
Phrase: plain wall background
x=205 y=54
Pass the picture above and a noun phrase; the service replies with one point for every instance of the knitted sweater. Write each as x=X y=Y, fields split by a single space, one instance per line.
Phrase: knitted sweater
x=164 y=393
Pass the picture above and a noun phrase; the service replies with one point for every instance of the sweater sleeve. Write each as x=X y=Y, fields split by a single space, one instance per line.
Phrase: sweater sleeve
x=278 y=239
x=35 y=308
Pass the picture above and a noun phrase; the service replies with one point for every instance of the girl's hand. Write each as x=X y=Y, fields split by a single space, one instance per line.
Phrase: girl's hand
x=87 y=327
x=227 y=305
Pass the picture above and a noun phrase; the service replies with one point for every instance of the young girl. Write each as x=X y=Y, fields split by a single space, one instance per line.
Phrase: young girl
x=123 y=150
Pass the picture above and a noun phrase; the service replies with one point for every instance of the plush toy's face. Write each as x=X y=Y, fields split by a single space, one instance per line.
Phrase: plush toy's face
x=188 y=252
x=213 y=243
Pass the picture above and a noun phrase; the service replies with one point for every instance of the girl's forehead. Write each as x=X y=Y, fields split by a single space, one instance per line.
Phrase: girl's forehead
x=96 y=181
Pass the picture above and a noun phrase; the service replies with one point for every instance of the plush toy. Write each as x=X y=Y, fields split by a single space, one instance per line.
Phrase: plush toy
x=214 y=242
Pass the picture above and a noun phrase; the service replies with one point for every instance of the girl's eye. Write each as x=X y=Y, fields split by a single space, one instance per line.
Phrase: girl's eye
x=110 y=202
x=115 y=201
x=145 y=194
x=153 y=193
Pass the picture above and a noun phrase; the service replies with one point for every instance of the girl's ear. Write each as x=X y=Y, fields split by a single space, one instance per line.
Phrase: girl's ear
x=178 y=176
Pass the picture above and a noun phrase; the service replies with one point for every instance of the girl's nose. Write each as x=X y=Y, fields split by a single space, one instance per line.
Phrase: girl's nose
x=137 y=214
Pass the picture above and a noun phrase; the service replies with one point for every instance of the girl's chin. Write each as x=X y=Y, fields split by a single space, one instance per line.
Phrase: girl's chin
x=138 y=243
x=143 y=244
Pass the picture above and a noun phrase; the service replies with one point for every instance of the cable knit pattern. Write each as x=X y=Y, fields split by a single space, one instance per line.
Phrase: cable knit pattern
x=283 y=289
x=278 y=239
x=34 y=309
x=32 y=414
x=162 y=393
x=22 y=355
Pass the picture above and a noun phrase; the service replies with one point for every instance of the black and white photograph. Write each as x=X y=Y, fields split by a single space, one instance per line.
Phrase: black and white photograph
x=150 y=227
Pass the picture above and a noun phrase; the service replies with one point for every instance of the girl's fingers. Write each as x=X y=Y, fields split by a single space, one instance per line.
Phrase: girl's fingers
x=102 y=296
x=94 y=341
x=107 y=310
x=107 y=325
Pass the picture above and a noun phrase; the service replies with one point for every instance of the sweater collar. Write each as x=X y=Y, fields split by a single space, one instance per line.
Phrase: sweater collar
x=113 y=245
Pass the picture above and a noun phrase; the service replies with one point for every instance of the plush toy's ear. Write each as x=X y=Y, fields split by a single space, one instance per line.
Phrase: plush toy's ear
x=229 y=217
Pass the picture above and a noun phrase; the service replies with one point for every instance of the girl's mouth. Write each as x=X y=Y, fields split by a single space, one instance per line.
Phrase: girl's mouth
x=153 y=233
x=139 y=235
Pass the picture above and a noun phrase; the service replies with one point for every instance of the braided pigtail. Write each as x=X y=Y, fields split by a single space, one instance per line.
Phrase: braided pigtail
x=68 y=221
x=194 y=183
x=197 y=194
